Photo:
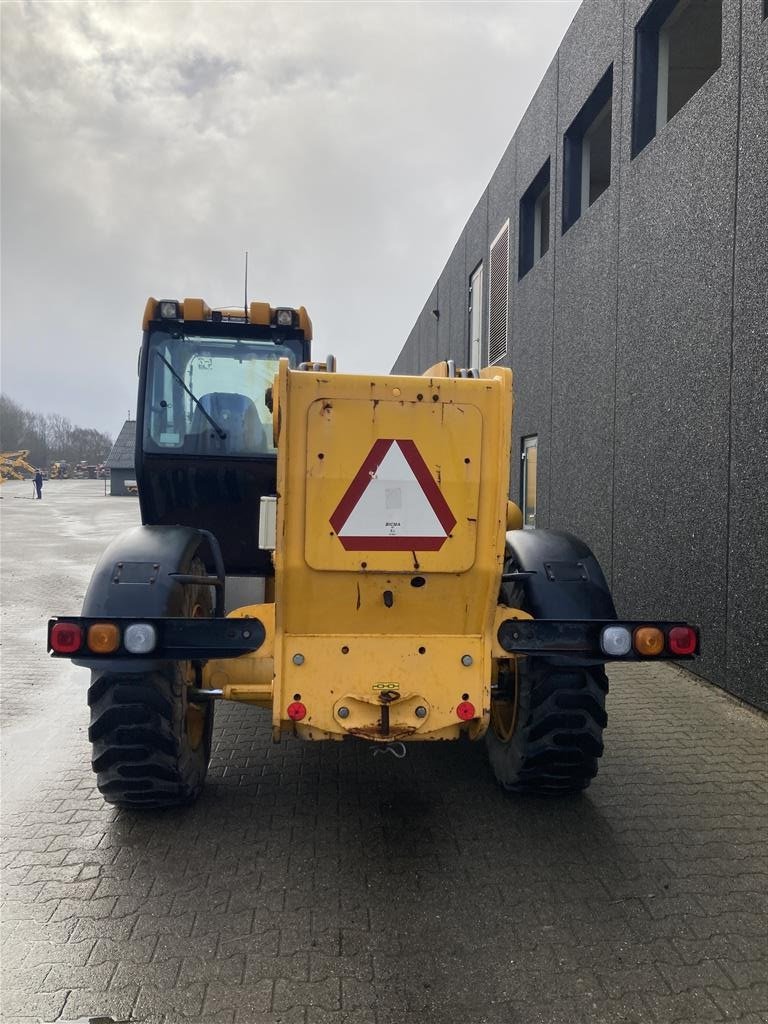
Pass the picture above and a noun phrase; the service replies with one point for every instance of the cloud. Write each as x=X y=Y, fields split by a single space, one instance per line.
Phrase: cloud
x=147 y=146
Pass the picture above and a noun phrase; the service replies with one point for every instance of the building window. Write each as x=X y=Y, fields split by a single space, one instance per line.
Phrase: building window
x=534 y=222
x=678 y=46
x=587 y=152
x=529 y=457
x=476 y=317
x=498 y=296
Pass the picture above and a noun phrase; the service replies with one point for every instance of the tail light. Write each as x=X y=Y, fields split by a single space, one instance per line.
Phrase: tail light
x=682 y=640
x=648 y=641
x=175 y=638
x=66 y=638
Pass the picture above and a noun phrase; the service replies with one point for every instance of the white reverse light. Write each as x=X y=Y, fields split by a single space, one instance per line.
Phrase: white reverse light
x=284 y=318
x=140 y=638
x=616 y=641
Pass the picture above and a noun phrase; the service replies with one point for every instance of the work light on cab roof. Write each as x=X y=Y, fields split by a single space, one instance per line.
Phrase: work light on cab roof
x=256 y=313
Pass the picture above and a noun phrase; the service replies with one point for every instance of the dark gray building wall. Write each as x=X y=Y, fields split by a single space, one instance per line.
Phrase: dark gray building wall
x=120 y=460
x=674 y=326
x=475 y=252
x=118 y=478
x=530 y=299
x=453 y=304
x=586 y=262
x=746 y=514
x=406 y=361
x=638 y=342
x=428 y=330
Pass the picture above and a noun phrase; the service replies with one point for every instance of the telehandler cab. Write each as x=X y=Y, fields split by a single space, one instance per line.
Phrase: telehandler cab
x=340 y=550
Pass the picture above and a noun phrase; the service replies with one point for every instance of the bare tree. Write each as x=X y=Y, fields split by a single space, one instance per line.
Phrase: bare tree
x=50 y=438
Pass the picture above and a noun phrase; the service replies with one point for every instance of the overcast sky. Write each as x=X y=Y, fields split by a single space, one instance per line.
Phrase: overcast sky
x=145 y=147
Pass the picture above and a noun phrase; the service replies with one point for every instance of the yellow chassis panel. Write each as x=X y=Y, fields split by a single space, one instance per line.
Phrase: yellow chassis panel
x=427 y=672
x=394 y=641
x=340 y=434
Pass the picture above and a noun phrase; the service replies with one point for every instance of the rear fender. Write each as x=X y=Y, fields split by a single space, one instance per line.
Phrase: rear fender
x=135 y=577
x=563 y=579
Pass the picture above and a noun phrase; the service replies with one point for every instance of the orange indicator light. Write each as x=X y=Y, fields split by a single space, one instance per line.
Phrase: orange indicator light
x=648 y=641
x=103 y=637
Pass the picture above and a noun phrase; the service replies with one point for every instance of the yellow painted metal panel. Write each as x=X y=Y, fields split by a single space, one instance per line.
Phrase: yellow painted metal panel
x=305 y=323
x=437 y=370
x=328 y=673
x=150 y=310
x=341 y=435
x=195 y=309
x=384 y=605
x=249 y=677
x=504 y=614
x=514 y=516
x=260 y=313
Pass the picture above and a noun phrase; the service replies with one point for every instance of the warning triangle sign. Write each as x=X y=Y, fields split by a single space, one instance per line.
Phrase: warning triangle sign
x=393 y=503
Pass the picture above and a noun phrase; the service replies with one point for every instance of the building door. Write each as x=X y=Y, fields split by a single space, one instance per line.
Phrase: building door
x=528 y=481
x=476 y=318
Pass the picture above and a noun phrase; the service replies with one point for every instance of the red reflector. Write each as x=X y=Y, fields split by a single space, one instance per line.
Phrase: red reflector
x=66 y=638
x=296 y=711
x=465 y=710
x=682 y=640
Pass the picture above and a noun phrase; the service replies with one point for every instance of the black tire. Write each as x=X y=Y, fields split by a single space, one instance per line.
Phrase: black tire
x=550 y=745
x=547 y=721
x=150 y=745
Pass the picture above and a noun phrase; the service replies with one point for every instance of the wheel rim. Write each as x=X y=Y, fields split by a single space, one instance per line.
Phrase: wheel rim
x=504 y=719
x=195 y=717
x=504 y=712
x=195 y=724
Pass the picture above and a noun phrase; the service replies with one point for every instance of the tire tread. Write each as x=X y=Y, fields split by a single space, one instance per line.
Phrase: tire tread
x=138 y=746
x=556 y=746
x=140 y=751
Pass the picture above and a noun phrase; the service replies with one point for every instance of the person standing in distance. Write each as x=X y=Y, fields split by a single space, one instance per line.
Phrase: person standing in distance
x=38 y=479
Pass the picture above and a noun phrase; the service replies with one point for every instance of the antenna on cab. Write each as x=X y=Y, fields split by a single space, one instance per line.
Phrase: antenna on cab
x=245 y=303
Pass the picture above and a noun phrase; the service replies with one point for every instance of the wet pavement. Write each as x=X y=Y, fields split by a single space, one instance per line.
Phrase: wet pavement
x=314 y=883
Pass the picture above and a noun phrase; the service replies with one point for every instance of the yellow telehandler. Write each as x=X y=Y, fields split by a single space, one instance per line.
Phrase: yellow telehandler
x=340 y=551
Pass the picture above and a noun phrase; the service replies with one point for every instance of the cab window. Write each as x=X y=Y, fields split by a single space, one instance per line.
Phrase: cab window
x=207 y=395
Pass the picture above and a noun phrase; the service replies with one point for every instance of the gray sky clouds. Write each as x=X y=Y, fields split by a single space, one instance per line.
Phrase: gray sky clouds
x=145 y=147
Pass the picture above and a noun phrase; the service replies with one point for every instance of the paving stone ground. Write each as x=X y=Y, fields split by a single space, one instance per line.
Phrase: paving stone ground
x=318 y=884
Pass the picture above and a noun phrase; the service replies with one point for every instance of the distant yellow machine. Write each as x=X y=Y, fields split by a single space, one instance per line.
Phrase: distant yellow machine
x=400 y=598
x=14 y=466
